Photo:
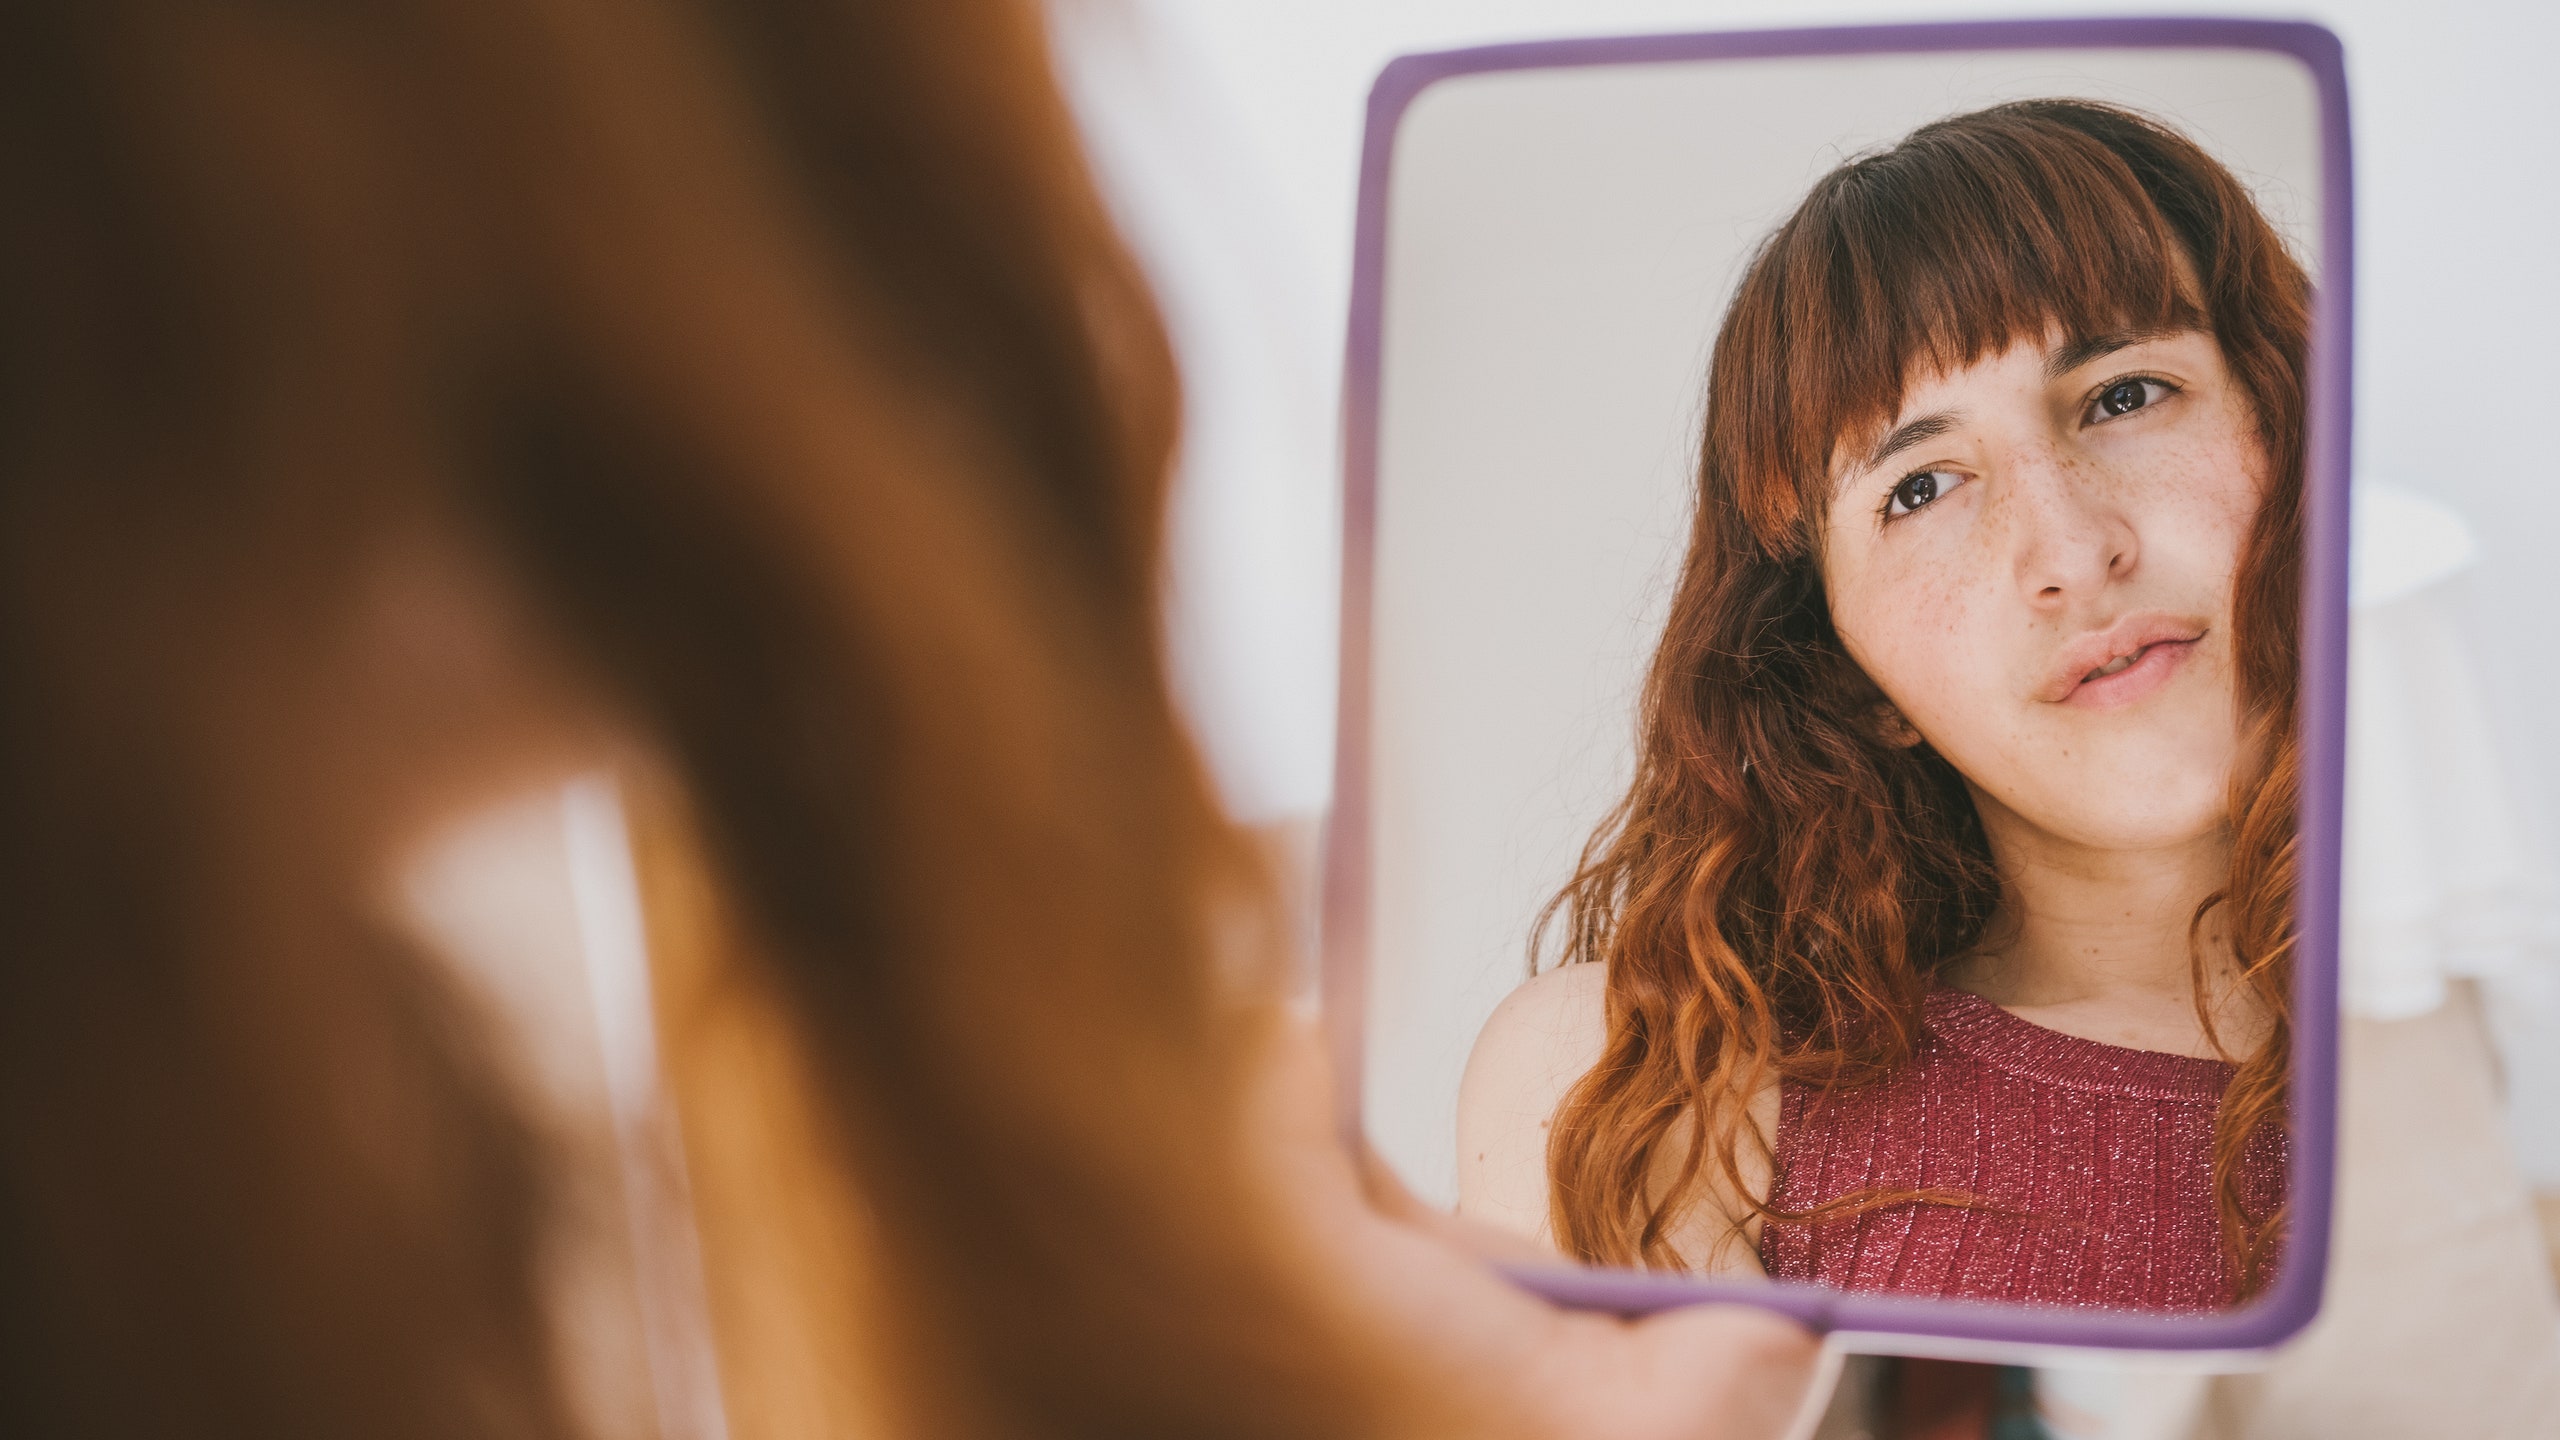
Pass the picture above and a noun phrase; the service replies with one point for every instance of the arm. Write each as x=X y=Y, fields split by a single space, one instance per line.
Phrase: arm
x=1542 y=1039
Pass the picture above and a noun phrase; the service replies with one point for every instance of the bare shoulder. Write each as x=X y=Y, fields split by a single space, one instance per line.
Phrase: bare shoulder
x=1541 y=1039
x=1560 y=1015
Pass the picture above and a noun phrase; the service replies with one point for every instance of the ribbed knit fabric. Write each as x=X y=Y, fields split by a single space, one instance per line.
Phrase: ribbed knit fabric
x=2090 y=1168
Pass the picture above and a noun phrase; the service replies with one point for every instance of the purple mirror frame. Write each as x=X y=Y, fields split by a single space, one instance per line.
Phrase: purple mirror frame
x=2291 y=1302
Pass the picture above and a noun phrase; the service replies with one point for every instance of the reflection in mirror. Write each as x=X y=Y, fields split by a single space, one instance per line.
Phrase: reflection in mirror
x=1878 y=741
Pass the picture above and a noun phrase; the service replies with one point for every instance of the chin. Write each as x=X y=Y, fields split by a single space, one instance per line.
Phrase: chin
x=2150 y=821
x=2145 y=796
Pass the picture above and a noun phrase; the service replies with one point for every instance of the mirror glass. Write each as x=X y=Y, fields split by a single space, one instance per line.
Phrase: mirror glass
x=1824 y=693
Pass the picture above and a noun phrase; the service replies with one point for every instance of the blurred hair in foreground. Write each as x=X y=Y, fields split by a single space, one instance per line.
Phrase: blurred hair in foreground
x=401 y=396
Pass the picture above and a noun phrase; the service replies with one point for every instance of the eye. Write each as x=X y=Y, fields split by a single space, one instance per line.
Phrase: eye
x=2123 y=397
x=1916 y=490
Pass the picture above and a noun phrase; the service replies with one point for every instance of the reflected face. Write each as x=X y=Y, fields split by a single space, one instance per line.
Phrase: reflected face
x=2034 y=563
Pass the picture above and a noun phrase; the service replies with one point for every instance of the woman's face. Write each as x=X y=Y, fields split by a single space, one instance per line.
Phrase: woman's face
x=2034 y=563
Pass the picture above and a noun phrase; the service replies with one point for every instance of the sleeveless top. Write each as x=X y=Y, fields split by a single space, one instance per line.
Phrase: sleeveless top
x=2088 y=1167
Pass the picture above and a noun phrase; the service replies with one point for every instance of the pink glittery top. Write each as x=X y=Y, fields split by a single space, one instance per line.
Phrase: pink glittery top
x=2091 y=1168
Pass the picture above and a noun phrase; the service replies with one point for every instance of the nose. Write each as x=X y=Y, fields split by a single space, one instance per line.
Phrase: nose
x=2071 y=539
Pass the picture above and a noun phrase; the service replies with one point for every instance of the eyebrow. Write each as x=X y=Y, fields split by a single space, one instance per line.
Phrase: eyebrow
x=1927 y=427
x=2071 y=355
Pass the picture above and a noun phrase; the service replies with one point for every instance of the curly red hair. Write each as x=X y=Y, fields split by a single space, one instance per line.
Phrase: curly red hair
x=1782 y=885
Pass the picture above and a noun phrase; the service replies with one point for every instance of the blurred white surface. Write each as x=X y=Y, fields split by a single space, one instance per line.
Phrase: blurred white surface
x=2444 y=876
x=2447 y=876
x=535 y=905
x=1252 y=571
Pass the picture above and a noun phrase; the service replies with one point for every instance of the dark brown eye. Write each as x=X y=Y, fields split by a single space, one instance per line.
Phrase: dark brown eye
x=2126 y=396
x=1914 y=491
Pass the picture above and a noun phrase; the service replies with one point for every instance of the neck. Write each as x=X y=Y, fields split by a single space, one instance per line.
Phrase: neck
x=2095 y=941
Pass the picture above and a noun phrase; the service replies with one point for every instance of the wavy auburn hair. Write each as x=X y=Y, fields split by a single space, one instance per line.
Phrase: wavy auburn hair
x=1781 y=885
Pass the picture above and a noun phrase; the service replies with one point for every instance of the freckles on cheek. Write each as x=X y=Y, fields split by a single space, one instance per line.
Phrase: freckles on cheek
x=2218 y=464
x=2202 y=474
x=2202 y=501
x=1907 y=626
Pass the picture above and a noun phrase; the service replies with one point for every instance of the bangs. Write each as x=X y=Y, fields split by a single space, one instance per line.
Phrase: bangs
x=1969 y=236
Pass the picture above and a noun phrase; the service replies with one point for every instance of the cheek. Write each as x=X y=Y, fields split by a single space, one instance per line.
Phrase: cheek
x=2198 y=501
x=1915 y=625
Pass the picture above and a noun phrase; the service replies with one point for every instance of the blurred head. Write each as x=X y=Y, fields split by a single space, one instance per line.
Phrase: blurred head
x=396 y=399
x=1997 y=527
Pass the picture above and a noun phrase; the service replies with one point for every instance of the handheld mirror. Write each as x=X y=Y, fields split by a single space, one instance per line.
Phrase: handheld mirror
x=1844 y=602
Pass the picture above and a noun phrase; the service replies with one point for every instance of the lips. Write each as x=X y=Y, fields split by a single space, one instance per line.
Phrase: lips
x=2122 y=662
